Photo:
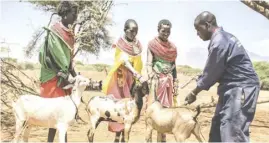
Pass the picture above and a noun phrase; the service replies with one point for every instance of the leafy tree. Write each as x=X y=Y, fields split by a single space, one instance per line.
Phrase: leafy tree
x=91 y=25
x=262 y=7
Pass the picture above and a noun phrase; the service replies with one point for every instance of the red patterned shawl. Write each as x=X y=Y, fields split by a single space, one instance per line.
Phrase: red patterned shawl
x=64 y=33
x=164 y=50
x=128 y=47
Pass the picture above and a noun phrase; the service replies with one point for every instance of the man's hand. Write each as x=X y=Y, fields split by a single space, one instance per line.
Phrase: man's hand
x=190 y=98
x=198 y=77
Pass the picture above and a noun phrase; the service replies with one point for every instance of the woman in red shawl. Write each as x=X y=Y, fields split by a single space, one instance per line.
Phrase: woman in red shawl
x=161 y=67
x=56 y=55
x=125 y=71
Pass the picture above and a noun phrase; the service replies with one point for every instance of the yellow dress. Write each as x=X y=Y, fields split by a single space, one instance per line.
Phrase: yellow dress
x=120 y=56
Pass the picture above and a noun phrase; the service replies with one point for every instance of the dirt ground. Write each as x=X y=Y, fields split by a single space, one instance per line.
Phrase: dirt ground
x=77 y=132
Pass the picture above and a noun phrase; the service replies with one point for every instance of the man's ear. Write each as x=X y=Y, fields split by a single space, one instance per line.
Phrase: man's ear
x=68 y=86
x=207 y=25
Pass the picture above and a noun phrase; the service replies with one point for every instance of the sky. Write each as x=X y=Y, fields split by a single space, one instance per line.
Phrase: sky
x=19 y=21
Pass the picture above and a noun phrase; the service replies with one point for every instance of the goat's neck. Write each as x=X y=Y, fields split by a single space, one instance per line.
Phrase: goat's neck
x=138 y=101
x=76 y=96
x=157 y=106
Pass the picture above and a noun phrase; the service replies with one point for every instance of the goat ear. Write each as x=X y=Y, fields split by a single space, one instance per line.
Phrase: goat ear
x=68 y=86
x=71 y=79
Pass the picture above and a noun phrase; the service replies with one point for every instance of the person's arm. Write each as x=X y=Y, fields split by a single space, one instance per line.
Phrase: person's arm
x=174 y=71
x=149 y=67
x=128 y=65
x=175 y=81
x=72 y=69
x=72 y=64
x=215 y=66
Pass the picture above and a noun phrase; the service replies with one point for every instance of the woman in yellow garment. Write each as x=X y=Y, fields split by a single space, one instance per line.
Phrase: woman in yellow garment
x=126 y=69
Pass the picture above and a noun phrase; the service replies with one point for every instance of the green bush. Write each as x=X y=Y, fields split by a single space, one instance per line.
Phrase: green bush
x=100 y=67
x=94 y=67
x=11 y=60
x=187 y=70
x=262 y=69
x=85 y=67
x=79 y=63
x=29 y=66
x=265 y=84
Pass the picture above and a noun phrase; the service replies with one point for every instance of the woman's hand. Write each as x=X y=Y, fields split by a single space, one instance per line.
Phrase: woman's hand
x=142 y=79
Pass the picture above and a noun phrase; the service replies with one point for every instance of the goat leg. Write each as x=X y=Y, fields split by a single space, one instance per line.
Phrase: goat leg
x=149 y=130
x=159 y=137
x=90 y=136
x=51 y=134
x=163 y=137
x=178 y=137
x=19 y=129
x=117 y=137
x=197 y=132
x=93 y=123
x=127 y=129
x=62 y=128
x=26 y=133
x=122 y=137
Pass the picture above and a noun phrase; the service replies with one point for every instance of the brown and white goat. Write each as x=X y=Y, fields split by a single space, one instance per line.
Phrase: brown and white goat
x=179 y=121
x=126 y=111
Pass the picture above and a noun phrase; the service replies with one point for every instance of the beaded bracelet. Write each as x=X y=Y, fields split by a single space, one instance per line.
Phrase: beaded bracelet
x=192 y=93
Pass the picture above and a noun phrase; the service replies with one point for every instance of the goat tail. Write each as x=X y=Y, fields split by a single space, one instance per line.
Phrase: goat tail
x=198 y=109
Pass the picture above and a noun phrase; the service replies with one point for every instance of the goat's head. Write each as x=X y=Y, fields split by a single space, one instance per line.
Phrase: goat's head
x=79 y=82
x=143 y=88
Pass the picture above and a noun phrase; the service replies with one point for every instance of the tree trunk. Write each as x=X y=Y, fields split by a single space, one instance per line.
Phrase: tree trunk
x=261 y=7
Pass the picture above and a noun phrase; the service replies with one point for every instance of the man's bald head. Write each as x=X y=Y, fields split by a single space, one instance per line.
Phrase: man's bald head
x=206 y=17
x=205 y=25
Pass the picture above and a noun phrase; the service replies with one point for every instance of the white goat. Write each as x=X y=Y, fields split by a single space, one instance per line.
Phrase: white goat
x=126 y=111
x=32 y=110
x=179 y=121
